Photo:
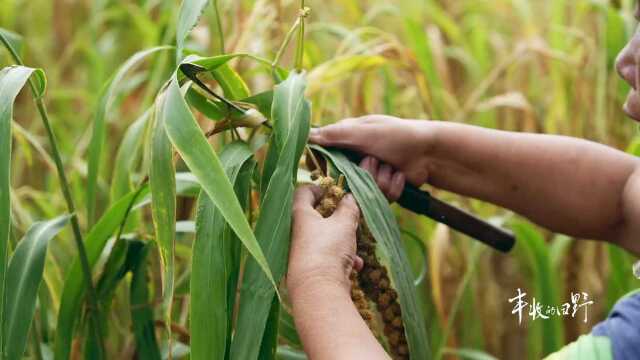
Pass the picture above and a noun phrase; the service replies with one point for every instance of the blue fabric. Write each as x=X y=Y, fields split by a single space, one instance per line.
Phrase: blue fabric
x=622 y=327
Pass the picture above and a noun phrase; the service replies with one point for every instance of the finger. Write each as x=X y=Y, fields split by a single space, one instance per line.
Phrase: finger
x=305 y=198
x=397 y=186
x=384 y=178
x=348 y=210
x=358 y=263
x=346 y=135
x=366 y=164
x=372 y=166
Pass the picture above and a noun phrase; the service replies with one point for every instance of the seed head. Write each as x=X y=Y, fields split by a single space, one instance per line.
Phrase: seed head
x=326 y=182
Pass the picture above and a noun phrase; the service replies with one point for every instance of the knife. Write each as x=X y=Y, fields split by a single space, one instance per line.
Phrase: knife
x=423 y=203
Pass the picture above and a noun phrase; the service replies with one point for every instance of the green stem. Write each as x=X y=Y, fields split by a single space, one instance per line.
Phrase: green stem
x=287 y=40
x=300 y=47
x=64 y=183
x=219 y=27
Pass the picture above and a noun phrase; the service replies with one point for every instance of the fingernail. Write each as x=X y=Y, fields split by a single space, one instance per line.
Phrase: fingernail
x=314 y=131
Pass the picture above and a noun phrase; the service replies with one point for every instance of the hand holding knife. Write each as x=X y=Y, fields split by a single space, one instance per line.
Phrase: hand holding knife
x=421 y=202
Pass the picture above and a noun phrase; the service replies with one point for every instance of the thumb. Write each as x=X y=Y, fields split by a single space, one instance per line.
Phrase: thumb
x=347 y=210
x=346 y=135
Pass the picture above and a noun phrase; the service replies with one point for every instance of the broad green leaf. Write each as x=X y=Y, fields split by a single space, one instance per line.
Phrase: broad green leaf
x=214 y=265
x=163 y=201
x=287 y=353
x=187 y=137
x=24 y=276
x=74 y=286
x=12 y=80
x=127 y=156
x=291 y=116
x=231 y=82
x=98 y=135
x=587 y=347
x=384 y=228
x=469 y=354
x=141 y=311
x=14 y=39
x=287 y=329
x=212 y=109
x=122 y=258
x=532 y=242
x=190 y=12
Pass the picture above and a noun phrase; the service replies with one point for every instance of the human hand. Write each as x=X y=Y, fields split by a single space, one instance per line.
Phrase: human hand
x=323 y=250
x=403 y=144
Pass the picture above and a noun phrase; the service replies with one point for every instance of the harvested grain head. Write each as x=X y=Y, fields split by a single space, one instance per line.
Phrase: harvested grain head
x=333 y=192
x=377 y=286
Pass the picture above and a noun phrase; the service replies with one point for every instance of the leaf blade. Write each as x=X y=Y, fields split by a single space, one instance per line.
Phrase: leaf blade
x=213 y=266
x=24 y=278
x=187 y=137
x=12 y=80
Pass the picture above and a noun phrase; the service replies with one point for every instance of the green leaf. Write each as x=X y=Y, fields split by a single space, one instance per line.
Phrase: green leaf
x=187 y=137
x=99 y=124
x=163 y=201
x=12 y=80
x=231 y=83
x=74 y=284
x=23 y=280
x=287 y=353
x=212 y=109
x=469 y=354
x=533 y=244
x=141 y=311
x=190 y=12
x=127 y=156
x=122 y=259
x=384 y=228
x=291 y=114
x=215 y=264
x=14 y=39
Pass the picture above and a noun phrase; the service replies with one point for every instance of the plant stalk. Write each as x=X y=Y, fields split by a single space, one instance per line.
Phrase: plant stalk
x=64 y=183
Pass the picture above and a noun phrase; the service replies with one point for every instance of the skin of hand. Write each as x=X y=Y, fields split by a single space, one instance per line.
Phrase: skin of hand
x=323 y=254
x=322 y=250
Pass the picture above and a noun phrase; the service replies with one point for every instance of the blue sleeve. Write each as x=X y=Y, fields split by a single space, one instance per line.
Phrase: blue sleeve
x=622 y=327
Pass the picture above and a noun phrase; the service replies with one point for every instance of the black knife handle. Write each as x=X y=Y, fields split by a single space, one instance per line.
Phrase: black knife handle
x=422 y=202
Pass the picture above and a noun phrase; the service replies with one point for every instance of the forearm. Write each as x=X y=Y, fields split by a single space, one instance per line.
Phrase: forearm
x=565 y=184
x=330 y=326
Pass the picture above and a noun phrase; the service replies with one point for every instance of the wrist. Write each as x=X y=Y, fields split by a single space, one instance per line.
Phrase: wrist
x=316 y=280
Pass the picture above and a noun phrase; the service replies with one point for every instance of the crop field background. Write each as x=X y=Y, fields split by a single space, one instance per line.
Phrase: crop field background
x=542 y=66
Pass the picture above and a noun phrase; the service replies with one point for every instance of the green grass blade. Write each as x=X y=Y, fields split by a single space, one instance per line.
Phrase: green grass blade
x=99 y=124
x=123 y=257
x=231 y=83
x=213 y=266
x=291 y=114
x=141 y=311
x=23 y=280
x=74 y=285
x=382 y=223
x=14 y=39
x=12 y=80
x=126 y=157
x=163 y=203
x=190 y=12
x=187 y=137
x=551 y=331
